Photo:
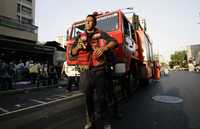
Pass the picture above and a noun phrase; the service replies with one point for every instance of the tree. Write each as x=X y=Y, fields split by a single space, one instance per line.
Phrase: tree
x=179 y=58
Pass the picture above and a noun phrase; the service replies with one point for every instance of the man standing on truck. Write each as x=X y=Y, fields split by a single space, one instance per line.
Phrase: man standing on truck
x=91 y=48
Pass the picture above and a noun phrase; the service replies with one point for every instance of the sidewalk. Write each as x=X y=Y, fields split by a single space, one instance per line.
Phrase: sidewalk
x=26 y=86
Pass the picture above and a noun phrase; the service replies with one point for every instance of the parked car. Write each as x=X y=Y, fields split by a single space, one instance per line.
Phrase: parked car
x=191 y=67
x=166 y=71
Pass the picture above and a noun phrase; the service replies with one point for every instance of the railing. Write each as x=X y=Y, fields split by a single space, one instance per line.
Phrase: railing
x=15 y=24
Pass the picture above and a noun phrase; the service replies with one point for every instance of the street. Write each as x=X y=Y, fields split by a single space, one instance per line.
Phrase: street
x=142 y=112
x=52 y=108
x=103 y=65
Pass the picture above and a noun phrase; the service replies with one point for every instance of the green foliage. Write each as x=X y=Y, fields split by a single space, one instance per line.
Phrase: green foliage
x=163 y=64
x=179 y=58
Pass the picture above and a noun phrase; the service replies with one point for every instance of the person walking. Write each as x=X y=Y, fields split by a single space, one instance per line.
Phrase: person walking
x=91 y=48
x=68 y=85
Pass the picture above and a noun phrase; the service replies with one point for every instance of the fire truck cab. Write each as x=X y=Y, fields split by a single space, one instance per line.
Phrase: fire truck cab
x=134 y=54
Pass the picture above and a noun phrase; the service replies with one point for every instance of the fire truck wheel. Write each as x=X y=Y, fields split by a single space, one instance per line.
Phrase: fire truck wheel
x=143 y=82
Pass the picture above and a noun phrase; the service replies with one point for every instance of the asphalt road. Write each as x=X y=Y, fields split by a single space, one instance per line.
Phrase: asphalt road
x=50 y=108
x=143 y=112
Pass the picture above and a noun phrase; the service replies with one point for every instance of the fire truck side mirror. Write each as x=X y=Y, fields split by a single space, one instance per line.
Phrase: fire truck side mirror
x=68 y=33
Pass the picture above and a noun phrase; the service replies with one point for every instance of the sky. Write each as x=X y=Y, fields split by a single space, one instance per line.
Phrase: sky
x=171 y=24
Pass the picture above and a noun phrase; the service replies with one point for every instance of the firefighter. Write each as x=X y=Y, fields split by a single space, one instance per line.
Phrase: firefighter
x=91 y=50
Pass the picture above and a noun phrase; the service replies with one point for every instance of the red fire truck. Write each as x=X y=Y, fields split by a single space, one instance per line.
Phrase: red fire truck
x=134 y=54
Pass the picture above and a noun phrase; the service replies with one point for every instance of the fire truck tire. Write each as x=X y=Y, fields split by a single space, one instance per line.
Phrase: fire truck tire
x=146 y=82
x=143 y=82
x=126 y=89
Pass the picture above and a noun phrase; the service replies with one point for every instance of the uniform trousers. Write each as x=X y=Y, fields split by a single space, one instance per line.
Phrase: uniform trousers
x=93 y=83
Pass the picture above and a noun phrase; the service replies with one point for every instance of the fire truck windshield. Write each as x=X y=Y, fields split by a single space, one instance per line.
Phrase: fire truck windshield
x=106 y=23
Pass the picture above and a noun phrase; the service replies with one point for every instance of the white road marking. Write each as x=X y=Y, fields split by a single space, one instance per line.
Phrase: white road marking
x=4 y=110
x=18 y=105
x=50 y=98
x=39 y=105
x=63 y=96
x=38 y=101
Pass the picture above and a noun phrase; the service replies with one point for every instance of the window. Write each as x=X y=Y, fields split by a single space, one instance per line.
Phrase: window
x=78 y=28
x=128 y=44
x=108 y=23
x=26 y=20
x=18 y=8
x=127 y=27
x=105 y=23
x=27 y=10
x=29 y=1
x=18 y=18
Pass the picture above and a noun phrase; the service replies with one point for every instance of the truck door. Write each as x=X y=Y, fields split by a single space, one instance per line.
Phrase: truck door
x=129 y=44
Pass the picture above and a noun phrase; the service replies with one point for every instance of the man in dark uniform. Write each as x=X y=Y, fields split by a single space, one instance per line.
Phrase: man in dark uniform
x=91 y=49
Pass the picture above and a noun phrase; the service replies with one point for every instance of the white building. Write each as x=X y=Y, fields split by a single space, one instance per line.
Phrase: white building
x=61 y=40
x=193 y=53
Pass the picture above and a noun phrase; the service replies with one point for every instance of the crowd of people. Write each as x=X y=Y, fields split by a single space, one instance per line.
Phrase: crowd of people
x=35 y=72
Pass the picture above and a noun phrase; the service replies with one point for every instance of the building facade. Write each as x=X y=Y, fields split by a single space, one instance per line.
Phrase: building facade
x=61 y=40
x=17 y=18
x=18 y=34
x=193 y=53
x=26 y=11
